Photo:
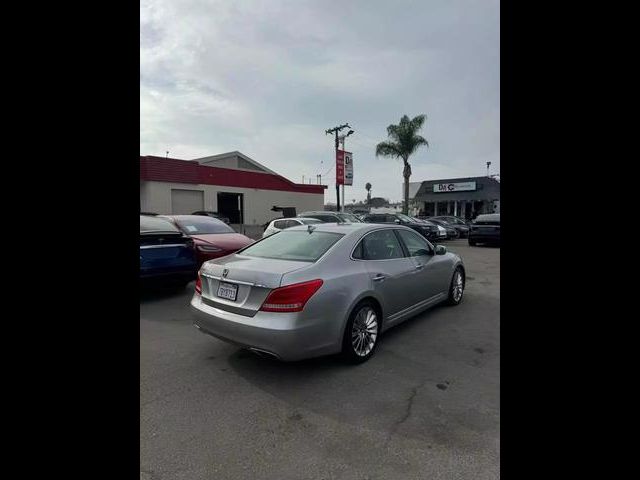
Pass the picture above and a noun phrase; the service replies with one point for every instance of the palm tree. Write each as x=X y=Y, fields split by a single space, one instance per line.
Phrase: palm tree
x=368 y=187
x=403 y=142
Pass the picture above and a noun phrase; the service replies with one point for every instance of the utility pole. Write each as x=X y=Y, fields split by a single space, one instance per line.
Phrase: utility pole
x=488 y=165
x=335 y=130
x=342 y=139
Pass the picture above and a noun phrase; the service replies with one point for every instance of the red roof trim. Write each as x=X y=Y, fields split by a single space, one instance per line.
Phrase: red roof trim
x=160 y=169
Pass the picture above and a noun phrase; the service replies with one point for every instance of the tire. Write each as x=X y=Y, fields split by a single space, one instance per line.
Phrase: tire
x=456 y=289
x=355 y=333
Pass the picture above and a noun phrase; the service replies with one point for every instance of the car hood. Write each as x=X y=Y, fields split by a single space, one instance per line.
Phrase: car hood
x=227 y=241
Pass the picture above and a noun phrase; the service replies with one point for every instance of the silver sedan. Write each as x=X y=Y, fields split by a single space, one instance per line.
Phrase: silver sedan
x=323 y=289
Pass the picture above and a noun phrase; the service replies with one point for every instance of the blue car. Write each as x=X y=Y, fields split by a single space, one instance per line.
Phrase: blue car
x=167 y=256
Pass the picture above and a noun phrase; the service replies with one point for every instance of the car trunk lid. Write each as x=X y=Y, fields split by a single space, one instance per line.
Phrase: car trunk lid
x=240 y=284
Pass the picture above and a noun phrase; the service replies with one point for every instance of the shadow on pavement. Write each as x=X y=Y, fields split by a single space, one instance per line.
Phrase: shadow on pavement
x=150 y=292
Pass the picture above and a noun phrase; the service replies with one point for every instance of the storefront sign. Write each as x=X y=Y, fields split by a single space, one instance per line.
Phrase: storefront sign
x=454 y=187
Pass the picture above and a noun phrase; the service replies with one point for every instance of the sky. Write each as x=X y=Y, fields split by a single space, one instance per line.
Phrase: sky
x=268 y=77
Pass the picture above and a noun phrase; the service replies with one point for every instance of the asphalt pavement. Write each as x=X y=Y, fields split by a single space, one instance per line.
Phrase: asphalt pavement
x=426 y=406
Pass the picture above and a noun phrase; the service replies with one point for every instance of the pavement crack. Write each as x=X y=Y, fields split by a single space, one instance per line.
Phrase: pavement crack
x=405 y=416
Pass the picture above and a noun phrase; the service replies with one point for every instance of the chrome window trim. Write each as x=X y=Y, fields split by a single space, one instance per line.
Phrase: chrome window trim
x=144 y=247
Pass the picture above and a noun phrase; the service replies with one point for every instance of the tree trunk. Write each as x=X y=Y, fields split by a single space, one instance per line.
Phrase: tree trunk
x=407 y=174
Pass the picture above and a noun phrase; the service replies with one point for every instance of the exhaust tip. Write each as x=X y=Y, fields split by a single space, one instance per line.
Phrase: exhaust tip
x=264 y=353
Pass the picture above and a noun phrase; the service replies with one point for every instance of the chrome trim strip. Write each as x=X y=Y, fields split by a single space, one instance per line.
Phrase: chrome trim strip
x=144 y=247
x=229 y=280
x=424 y=303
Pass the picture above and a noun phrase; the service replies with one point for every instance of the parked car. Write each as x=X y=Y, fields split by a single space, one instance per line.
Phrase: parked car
x=451 y=232
x=284 y=223
x=331 y=217
x=458 y=223
x=212 y=237
x=429 y=230
x=442 y=232
x=485 y=229
x=167 y=256
x=322 y=289
x=207 y=213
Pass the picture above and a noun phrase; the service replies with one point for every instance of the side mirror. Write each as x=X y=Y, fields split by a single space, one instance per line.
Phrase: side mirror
x=441 y=249
x=397 y=220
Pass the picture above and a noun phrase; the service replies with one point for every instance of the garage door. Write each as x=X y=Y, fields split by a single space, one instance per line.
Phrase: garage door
x=185 y=202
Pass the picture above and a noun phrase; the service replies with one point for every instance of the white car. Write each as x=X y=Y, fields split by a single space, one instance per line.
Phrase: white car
x=283 y=223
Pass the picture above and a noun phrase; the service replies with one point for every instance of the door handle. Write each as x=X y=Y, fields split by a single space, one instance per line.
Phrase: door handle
x=419 y=266
x=379 y=278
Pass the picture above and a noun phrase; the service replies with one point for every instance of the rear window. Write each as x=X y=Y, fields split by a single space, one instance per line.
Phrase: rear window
x=155 y=224
x=297 y=245
x=203 y=226
x=308 y=221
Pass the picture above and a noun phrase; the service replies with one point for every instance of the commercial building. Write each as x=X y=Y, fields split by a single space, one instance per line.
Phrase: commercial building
x=231 y=184
x=462 y=197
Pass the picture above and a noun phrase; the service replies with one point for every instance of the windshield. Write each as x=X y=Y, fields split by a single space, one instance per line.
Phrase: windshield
x=297 y=245
x=405 y=218
x=347 y=217
x=155 y=224
x=203 y=226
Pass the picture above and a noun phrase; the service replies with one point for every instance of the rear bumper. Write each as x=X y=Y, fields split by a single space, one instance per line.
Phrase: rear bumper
x=282 y=335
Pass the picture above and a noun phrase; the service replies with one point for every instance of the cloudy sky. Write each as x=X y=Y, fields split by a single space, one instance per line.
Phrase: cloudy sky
x=268 y=77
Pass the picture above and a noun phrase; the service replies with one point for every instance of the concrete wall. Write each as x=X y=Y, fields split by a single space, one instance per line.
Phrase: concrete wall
x=156 y=197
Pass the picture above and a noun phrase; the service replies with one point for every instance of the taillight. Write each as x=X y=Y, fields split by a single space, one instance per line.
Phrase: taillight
x=199 y=285
x=291 y=298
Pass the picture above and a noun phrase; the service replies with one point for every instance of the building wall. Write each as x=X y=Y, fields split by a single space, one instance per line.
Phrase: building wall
x=227 y=162
x=156 y=197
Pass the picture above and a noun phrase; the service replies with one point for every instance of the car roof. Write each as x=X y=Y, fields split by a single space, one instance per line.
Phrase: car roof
x=347 y=228
x=317 y=212
x=198 y=218
x=293 y=218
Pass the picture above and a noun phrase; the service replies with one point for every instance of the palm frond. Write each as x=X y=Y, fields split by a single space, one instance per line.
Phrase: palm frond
x=387 y=149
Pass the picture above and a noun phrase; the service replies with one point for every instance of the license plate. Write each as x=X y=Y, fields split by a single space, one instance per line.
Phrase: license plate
x=228 y=291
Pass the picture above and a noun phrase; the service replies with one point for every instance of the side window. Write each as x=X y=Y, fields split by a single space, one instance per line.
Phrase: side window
x=280 y=224
x=389 y=219
x=323 y=218
x=357 y=252
x=416 y=245
x=381 y=245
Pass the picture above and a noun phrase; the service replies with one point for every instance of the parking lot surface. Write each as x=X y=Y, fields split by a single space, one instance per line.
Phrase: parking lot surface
x=426 y=406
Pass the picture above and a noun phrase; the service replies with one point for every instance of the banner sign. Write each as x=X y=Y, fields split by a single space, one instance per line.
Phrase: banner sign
x=344 y=168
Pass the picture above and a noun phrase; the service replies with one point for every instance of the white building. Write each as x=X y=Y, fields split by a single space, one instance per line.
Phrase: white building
x=231 y=184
